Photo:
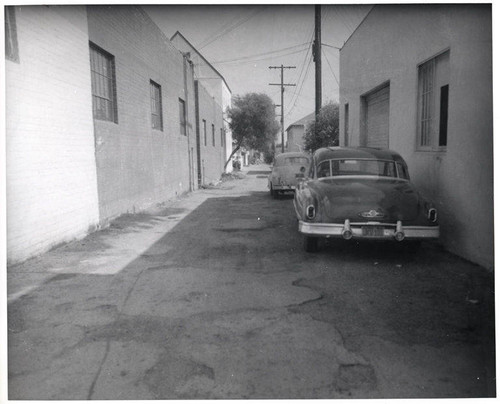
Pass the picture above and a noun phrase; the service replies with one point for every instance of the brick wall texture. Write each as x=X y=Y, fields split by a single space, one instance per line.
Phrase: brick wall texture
x=137 y=165
x=51 y=173
x=68 y=173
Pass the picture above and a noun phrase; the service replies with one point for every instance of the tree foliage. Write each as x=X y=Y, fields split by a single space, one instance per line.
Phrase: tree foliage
x=252 y=120
x=326 y=131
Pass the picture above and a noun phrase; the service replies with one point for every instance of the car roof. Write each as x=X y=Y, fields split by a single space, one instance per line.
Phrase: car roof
x=327 y=153
x=291 y=154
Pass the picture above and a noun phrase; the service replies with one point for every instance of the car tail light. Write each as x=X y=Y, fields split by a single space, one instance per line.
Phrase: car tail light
x=310 y=212
x=432 y=215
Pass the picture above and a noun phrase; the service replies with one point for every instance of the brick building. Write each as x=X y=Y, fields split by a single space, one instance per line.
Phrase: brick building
x=100 y=121
x=215 y=85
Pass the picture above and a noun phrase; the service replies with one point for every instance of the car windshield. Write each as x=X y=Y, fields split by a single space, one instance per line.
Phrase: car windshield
x=287 y=161
x=379 y=168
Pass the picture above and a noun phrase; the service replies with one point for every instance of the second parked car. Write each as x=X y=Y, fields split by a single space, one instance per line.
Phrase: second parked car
x=288 y=169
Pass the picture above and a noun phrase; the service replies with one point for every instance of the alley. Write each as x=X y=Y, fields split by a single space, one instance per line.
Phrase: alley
x=212 y=296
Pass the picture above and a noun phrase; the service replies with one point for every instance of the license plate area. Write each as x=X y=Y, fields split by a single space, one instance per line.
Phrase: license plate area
x=372 y=231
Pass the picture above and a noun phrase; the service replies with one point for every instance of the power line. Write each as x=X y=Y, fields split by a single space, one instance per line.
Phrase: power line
x=261 y=54
x=302 y=85
x=327 y=61
x=304 y=64
x=232 y=28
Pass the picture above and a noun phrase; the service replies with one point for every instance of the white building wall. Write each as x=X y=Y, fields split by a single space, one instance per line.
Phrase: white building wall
x=227 y=103
x=51 y=170
x=388 y=47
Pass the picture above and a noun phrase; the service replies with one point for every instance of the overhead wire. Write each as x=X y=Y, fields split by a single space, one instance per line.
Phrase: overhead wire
x=231 y=28
x=271 y=53
x=301 y=78
x=327 y=61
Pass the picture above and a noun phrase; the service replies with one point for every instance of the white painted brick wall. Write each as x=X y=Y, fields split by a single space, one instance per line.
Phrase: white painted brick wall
x=51 y=171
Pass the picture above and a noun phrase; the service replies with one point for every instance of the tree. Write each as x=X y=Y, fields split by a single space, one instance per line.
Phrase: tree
x=326 y=131
x=252 y=121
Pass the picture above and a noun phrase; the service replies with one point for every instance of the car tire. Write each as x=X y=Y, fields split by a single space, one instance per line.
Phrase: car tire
x=310 y=244
x=272 y=191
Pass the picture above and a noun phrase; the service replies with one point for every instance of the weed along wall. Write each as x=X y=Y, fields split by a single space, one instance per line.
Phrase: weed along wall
x=144 y=130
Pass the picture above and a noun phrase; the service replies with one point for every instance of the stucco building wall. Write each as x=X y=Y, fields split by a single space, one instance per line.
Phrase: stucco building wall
x=137 y=165
x=387 y=48
x=213 y=82
x=51 y=174
x=211 y=156
x=295 y=138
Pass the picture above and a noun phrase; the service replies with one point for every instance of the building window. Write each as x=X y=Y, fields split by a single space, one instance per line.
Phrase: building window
x=205 y=132
x=222 y=137
x=346 y=125
x=102 y=67
x=156 y=108
x=11 y=47
x=433 y=88
x=182 y=116
x=213 y=135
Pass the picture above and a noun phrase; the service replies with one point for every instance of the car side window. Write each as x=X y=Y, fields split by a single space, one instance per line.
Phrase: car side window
x=403 y=171
x=324 y=169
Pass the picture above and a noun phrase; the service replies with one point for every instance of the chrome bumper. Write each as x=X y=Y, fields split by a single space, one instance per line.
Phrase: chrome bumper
x=284 y=187
x=356 y=229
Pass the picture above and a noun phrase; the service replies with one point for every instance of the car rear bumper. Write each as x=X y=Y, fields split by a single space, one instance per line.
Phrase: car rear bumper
x=284 y=187
x=368 y=230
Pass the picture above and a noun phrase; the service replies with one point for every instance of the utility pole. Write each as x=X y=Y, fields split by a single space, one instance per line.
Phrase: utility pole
x=317 y=55
x=282 y=102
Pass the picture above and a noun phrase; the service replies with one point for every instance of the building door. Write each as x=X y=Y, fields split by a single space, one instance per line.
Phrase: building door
x=377 y=118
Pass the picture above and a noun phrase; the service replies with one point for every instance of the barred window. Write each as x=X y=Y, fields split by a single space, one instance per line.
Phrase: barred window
x=182 y=116
x=156 y=108
x=102 y=67
x=433 y=87
x=204 y=132
x=11 y=46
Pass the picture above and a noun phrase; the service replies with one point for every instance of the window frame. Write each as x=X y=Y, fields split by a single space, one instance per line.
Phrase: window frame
x=182 y=117
x=111 y=84
x=11 y=43
x=204 y=131
x=431 y=131
x=155 y=89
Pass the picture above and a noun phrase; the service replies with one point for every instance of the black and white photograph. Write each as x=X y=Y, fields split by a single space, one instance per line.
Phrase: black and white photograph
x=248 y=201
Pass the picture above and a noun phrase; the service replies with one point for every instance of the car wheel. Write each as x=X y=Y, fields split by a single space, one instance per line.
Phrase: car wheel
x=310 y=244
x=272 y=191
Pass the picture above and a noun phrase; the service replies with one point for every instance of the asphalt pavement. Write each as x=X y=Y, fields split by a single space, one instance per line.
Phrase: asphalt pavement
x=211 y=296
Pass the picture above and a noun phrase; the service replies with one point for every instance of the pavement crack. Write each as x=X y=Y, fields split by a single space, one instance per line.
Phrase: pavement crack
x=101 y=365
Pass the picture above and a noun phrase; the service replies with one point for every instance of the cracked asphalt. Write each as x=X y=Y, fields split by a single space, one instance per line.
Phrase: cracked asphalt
x=211 y=296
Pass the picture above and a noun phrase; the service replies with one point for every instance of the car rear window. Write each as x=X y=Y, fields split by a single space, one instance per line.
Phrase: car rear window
x=379 y=168
x=292 y=161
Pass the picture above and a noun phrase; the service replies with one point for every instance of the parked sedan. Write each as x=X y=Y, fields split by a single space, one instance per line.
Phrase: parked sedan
x=361 y=193
x=287 y=170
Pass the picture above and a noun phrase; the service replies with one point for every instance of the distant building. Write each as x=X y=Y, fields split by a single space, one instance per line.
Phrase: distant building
x=214 y=83
x=418 y=79
x=295 y=133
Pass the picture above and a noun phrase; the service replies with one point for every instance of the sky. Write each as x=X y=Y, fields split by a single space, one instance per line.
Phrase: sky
x=242 y=41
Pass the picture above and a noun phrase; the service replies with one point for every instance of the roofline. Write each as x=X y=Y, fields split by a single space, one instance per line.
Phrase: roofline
x=203 y=57
x=359 y=25
x=294 y=124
